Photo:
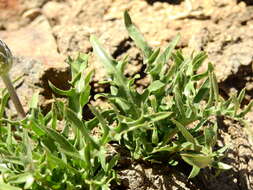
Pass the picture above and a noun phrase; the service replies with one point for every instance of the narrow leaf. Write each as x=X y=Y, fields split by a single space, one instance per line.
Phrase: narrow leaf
x=136 y=36
x=61 y=92
x=195 y=171
x=187 y=135
x=197 y=160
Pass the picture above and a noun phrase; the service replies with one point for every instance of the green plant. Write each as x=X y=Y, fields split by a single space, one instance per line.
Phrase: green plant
x=49 y=158
x=174 y=117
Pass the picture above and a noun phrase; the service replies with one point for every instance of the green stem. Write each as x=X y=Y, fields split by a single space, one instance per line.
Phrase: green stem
x=13 y=95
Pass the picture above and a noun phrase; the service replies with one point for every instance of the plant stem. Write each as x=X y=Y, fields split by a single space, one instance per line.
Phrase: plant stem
x=13 y=94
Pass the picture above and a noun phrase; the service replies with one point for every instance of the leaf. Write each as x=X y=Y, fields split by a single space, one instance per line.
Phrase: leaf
x=247 y=109
x=103 y=123
x=195 y=171
x=136 y=36
x=215 y=87
x=158 y=116
x=112 y=162
x=179 y=101
x=4 y=101
x=34 y=101
x=77 y=123
x=26 y=178
x=153 y=57
x=155 y=139
x=171 y=72
x=210 y=134
x=59 y=162
x=12 y=160
x=28 y=151
x=36 y=128
x=164 y=57
x=198 y=77
x=197 y=160
x=61 y=92
x=111 y=66
x=156 y=85
x=107 y=60
x=187 y=135
x=202 y=92
x=102 y=157
x=198 y=60
x=4 y=186
x=241 y=95
x=85 y=95
x=61 y=140
x=221 y=165
x=78 y=65
x=121 y=64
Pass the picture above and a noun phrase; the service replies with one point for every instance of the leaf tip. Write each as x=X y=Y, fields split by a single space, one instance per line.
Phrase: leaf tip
x=127 y=19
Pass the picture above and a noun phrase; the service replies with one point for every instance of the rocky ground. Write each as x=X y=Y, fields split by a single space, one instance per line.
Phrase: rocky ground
x=42 y=33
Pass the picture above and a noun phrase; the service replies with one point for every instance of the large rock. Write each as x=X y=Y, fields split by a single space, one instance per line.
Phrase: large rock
x=37 y=61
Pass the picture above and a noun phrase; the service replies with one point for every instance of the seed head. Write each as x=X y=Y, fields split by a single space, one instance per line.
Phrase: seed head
x=6 y=58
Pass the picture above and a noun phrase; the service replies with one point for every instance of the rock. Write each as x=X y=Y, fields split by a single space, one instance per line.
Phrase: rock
x=36 y=42
x=55 y=10
x=33 y=77
x=11 y=12
x=37 y=61
x=28 y=71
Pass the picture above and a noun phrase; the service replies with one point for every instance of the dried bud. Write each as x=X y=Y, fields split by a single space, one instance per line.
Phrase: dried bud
x=6 y=58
